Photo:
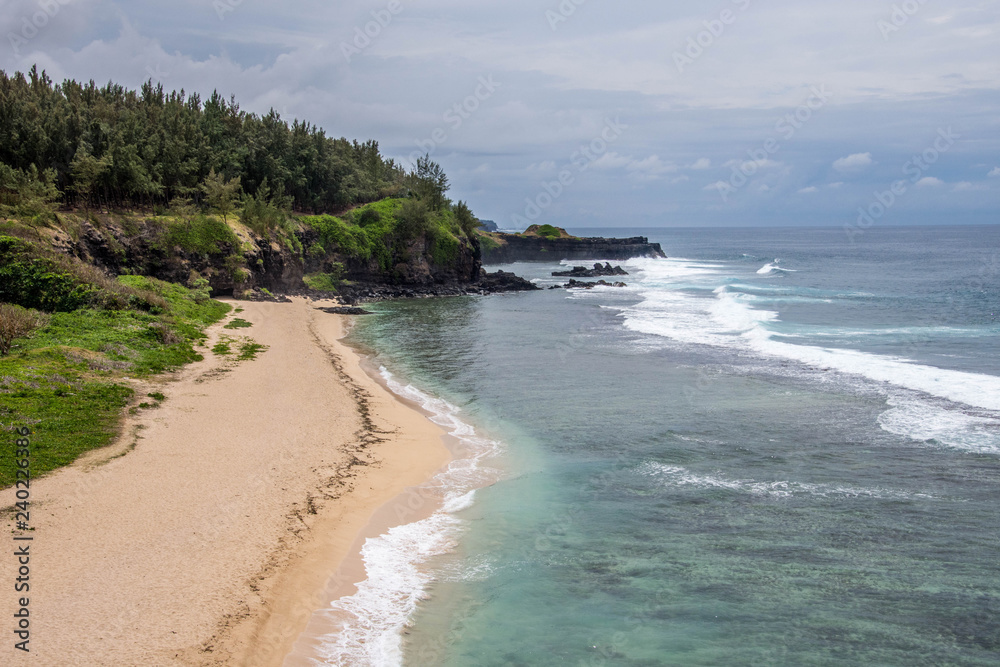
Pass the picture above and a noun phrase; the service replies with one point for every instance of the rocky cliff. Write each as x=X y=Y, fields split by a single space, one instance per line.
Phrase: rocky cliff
x=505 y=248
x=238 y=262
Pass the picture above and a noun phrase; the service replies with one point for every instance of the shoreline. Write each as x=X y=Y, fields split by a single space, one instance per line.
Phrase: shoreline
x=216 y=537
x=362 y=634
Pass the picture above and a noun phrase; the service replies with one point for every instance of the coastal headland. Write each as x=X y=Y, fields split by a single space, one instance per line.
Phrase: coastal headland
x=545 y=243
x=210 y=531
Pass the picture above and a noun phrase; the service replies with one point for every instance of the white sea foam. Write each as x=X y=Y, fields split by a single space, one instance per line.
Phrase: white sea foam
x=924 y=421
x=728 y=320
x=676 y=476
x=773 y=268
x=371 y=622
x=906 y=333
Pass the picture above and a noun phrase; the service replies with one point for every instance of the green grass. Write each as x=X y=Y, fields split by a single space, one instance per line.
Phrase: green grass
x=238 y=323
x=249 y=350
x=66 y=382
x=66 y=419
x=223 y=347
x=548 y=231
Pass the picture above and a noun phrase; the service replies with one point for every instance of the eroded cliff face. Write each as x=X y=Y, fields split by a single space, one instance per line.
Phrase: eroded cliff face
x=516 y=248
x=135 y=245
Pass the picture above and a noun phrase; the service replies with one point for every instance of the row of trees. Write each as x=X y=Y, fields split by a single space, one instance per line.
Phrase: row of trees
x=113 y=147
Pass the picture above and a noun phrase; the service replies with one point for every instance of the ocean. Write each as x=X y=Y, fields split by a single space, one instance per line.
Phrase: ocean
x=775 y=447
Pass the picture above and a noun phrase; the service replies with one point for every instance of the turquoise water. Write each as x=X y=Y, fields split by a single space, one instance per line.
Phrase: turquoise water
x=774 y=448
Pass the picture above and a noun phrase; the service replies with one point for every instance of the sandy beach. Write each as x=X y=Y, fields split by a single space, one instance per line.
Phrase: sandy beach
x=221 y=520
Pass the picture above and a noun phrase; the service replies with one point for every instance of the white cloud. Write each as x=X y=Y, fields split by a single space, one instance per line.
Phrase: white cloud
x=964 y=186
x=547 y=165
x=995 y=173
x=929 y=181
x=838 y=184
x=481 y=169
x=854 y=161
x=808 y=191
x=717 y=186
x=702 y=163
x=651 y=168
x=611 y=160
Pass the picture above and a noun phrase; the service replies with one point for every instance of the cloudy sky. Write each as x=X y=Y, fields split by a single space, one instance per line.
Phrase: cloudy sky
x=590 y=112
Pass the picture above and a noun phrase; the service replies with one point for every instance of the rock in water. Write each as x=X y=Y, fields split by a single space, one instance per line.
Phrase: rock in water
x=598 y=271
x=579 y=284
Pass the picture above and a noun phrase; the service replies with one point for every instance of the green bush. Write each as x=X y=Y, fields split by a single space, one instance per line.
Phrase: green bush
x=414 y=219
x=339 y=236
x=201 y=234
x=367 y=216
x=326 y=282
x=264 y=212
x=34 y=282
x=200 y=291
x=467 y=222
x=444 y=252
x=17 y=322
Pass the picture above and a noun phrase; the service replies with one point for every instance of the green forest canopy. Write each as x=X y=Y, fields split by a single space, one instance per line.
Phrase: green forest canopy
x=112 y=147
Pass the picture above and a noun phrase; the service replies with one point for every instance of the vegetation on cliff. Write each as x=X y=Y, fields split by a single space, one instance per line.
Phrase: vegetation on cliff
x=547 y=232
x=163 y=184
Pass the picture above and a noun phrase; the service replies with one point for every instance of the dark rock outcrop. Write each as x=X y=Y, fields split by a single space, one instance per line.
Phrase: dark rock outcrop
x=516 y=248
x=598 y=271
x=504 y=281
x=579 y=284
x=488 y=283
x=346 y=310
